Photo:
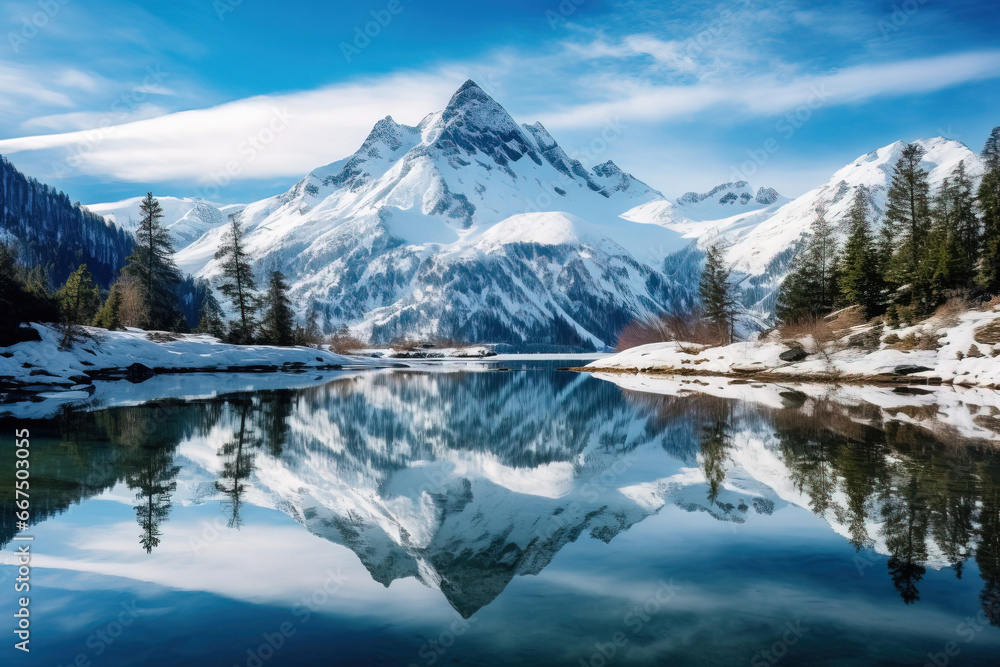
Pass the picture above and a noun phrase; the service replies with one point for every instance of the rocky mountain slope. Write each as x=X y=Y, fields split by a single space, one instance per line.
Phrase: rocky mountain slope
x=470 y=226
x=466 y=226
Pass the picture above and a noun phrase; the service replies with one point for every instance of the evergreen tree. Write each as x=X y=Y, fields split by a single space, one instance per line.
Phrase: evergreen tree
x=715 y=290
x=238 y=284
x=109 y=316
x=988 y=275
x=905 y=519
x=861 y=277
x=154 y=481
x=211 y=317
x=278 y=325
x=239 y=455
x=79 y=299
x=968 y=230
x=22 y=299
x=810 y=289
x=907 y=218
x=152 y=264
x=954 y=241
x=716 y=440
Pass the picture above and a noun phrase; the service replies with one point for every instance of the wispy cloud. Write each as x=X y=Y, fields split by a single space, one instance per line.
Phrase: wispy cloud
x=195 y=145
x=331 y=122
x=767 y=94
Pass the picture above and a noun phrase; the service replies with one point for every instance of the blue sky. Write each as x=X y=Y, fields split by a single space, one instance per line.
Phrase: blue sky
x=235 y=100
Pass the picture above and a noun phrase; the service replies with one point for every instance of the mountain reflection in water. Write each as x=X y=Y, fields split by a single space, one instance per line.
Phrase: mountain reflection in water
x=466 y=480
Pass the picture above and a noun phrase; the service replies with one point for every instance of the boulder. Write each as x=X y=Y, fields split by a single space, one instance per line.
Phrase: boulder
x=793 y=354
x=908 y=369
x=137 y=373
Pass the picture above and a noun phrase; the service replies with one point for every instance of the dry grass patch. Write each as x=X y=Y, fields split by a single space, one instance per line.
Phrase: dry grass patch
x=345 y=343
x=988 y=334
x=162 y=336
x=682 y=328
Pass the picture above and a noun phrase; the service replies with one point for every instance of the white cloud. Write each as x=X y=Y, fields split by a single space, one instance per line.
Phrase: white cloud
x=769 y=95
x=312 y=128
x=329 y=123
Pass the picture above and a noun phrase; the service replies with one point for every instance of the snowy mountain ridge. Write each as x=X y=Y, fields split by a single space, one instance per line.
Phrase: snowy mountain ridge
x=467 y=225
x=471 y=226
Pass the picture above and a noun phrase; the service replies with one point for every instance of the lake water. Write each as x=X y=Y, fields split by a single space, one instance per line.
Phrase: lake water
x=523 y=517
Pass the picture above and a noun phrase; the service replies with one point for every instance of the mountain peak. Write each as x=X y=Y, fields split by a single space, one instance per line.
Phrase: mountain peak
x=608 y=168
x=468 y=96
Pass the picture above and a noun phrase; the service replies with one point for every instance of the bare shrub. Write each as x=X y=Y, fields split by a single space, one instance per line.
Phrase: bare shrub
x=949 y=311
x=406 y=344
x=907 y=342
x=688 y=327
x=847 y=318
x=442 y=342
x=929 y=341
x=992 y=304
x=162 y=336
x=132 y=311
x=343 y=342
x=820 y=329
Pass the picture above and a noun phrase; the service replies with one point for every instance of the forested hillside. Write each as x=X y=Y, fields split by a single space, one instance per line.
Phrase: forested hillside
x=52 y=232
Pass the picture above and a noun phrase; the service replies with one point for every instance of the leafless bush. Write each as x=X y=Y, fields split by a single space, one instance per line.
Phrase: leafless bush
x=343 y=342
x=820 y=329
x=162 y=337
x=688 y=327
x=442 y=342
x=956 y=304
x=132 y=311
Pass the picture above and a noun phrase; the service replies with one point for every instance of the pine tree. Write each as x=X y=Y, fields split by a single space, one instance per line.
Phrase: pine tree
x=716 y=292
x=953 y=245
x=861 y=277
x=22 y=297
x=278 y=325
x=79 y=299
x=811 y=289
x=152 y=264
x=968 y=229
x=109 y=316
x=907 y=218
x=211 y=322
x=988 y=275
x=153 y=481
x=238 y=284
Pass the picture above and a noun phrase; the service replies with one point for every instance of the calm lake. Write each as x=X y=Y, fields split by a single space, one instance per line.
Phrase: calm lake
x=525 y=517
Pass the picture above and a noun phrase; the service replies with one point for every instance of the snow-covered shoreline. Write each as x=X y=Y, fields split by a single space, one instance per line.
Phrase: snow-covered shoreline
x=43 y=369
x=957 y=348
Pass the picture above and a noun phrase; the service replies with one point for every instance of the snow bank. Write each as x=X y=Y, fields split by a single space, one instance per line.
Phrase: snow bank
x=38 y=365
x=950 y=339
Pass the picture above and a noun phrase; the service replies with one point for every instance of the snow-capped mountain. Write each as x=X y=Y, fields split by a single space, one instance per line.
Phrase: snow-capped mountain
x=760 y=244
x=470 y=226
x=467 y=226
x=419 y=480
x=723 y=201
x=185 y=219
